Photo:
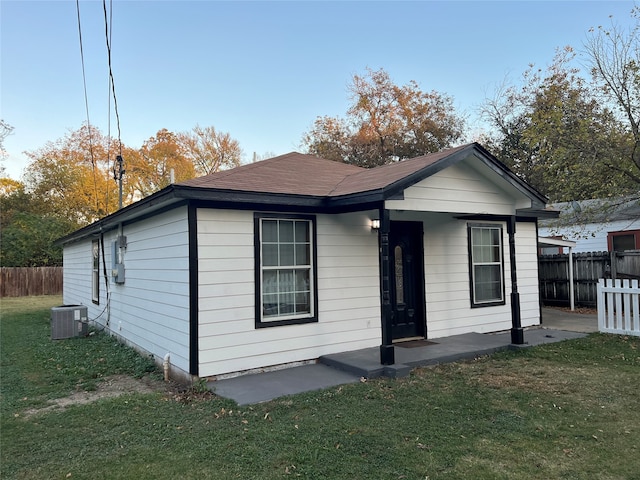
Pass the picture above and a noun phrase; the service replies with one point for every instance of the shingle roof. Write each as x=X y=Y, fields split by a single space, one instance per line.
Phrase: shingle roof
x=293 y=173
x=299 y=174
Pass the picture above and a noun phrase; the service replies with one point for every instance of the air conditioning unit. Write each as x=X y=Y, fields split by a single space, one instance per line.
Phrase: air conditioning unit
x=69 y=321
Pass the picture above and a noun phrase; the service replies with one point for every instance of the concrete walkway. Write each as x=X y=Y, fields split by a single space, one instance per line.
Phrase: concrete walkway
x=351 y=367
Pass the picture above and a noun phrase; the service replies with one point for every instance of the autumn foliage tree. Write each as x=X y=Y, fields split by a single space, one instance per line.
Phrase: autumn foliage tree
x=149 y=168
x=385 y=123
x=73 y=177
x=210 y=150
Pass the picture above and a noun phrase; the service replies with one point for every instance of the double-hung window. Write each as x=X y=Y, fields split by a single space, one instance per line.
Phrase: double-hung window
x=486 y=265
x=285 y=270
x=95 y=271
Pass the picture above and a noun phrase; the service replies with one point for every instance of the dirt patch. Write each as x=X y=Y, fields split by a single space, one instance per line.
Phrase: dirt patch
x=110 y=387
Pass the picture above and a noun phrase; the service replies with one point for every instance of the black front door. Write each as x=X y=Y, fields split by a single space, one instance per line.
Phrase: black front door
x=407 y=279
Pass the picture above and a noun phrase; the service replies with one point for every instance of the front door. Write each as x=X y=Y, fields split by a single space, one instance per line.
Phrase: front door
x=407 y=280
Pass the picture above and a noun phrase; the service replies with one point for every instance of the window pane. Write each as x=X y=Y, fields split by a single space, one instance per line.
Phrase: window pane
x=303 y=302
x=270 y=305
x=488 y=283
x=286 y=254
x=302 y=281
x=270 y=282
x=624 y=242
x=286 y=303
x=495 y=236
x=286 y=281
x=270 y=255
x=302 y=254
x=286 y=231
x=269 y=230
x=302 y=232
x=399 y=273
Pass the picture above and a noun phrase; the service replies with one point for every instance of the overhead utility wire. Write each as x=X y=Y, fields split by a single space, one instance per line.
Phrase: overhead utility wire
x=113 y=86
x=117 y=174
x=86 y=104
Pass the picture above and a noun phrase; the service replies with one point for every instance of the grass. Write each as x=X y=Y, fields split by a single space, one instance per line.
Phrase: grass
x=565 y=410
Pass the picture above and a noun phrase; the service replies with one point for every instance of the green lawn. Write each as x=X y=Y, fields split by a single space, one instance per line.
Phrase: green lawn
x=566 y=410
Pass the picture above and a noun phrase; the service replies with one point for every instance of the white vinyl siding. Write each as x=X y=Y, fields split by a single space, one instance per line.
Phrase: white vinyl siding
x=151 y=309
x=348 y=294
x=461 y=188
x=590 y=237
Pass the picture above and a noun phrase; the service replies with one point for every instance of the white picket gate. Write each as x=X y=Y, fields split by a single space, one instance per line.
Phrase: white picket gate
x=619 y=306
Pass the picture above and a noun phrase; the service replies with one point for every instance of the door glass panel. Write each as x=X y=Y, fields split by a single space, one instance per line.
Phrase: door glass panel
x=399 y=275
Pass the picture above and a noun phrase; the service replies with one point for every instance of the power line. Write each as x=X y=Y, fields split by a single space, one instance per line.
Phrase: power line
x=118 y=164
x=86 y=104
x=113 y=86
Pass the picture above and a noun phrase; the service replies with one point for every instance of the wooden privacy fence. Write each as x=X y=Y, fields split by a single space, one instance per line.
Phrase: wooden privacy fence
x=27 y=281
x=588 y=268
x=619 y=306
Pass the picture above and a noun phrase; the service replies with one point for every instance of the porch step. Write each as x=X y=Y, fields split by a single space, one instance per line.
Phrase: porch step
x=365 y=364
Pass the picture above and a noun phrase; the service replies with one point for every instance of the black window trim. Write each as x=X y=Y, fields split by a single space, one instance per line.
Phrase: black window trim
x=475 y=304
x=257 y=242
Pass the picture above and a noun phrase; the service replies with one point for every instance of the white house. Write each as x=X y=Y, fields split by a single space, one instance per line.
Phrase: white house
x=595 y=225
x=295 y=257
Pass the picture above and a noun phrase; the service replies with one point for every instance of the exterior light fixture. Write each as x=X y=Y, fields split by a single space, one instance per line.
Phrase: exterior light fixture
x=375 y=224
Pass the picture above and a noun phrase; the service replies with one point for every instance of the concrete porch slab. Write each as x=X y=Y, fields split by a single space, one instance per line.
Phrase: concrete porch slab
x=350 y=367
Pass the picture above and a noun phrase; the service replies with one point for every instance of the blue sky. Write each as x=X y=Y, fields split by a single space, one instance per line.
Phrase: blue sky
x=261 y=71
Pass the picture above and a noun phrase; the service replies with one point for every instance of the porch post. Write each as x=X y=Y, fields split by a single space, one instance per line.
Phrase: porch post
x=517 y=333
x=387 y=353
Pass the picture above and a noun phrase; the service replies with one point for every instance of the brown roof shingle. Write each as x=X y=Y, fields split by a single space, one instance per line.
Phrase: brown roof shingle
x=299 y=174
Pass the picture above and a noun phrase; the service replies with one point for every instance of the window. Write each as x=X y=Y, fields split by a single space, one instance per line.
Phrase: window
x=624 y=240
x=285 y=270
x=486 y=266
x=95 y=271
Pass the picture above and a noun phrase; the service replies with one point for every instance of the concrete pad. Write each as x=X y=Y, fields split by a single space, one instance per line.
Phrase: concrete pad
x=541 y=336
x=559 y=319
x=262 y=387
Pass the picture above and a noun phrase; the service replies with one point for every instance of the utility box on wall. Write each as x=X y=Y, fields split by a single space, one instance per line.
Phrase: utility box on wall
x=69 y=321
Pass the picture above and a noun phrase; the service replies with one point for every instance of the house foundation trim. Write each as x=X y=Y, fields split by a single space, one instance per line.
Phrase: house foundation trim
x=387 y=352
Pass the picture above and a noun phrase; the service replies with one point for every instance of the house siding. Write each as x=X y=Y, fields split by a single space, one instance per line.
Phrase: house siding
x=591 y=237
x=348 y=294
x=458 y=190
x=150 y=311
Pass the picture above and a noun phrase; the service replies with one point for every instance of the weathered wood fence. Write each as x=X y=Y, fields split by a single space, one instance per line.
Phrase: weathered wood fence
x=619 y=307
x=27 y=281
x=588 y=268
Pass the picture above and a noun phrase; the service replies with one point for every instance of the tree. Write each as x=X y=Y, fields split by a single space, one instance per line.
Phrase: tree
x=385 y=123
x=28 y=229
x=614 y=57
x=554 y=133
x=209 y=150
x=149 y=169
x=5 y=131
x=72 y=176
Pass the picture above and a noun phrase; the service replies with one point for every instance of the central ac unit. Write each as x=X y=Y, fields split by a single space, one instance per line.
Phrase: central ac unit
x=69 y=321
